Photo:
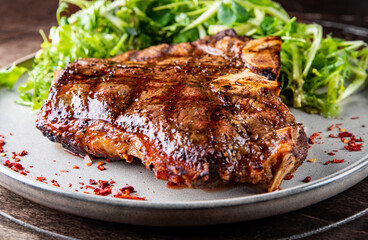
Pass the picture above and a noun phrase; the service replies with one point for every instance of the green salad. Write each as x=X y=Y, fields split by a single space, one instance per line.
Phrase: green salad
x=317 y=72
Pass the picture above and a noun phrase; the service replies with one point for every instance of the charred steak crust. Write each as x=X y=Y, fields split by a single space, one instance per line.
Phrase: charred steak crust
x=195 y=113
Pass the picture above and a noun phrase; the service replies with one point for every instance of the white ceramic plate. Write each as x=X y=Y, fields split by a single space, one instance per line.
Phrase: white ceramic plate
x=165 y=206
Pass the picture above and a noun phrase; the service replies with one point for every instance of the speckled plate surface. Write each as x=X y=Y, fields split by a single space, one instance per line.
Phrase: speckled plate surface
x=165 y=206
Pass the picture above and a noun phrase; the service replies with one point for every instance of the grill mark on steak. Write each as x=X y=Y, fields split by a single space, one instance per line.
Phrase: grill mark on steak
x=195 y=113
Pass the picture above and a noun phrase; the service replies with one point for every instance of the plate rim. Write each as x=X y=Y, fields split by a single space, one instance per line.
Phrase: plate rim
x=360 y=164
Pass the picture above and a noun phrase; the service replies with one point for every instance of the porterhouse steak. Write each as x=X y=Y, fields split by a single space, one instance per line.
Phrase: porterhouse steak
x=197 y=114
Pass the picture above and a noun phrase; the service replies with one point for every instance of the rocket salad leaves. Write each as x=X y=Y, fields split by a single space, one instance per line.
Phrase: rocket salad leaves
x=8 y=77
x=317 y=73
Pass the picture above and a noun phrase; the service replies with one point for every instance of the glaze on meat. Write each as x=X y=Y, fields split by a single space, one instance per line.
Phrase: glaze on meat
x=197 y=114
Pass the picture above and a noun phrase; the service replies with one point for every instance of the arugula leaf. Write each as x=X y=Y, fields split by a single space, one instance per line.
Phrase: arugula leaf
x=317 y=73
x=225 y=14
x=187 y=36
x=8 y=77
x=239 y=11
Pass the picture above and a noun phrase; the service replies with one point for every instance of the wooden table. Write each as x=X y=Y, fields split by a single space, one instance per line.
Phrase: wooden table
x=340 y=217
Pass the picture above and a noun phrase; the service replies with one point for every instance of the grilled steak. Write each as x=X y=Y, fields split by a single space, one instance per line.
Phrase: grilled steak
x=195 y=113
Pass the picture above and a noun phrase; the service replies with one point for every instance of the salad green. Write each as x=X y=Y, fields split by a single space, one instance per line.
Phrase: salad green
x=8 y=77
x=317 y=72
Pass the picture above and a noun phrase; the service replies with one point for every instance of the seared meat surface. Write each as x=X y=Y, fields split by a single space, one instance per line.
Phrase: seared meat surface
x=195 y=113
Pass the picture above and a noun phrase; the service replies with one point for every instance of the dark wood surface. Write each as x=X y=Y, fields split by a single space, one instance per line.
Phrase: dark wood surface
x=20 y=21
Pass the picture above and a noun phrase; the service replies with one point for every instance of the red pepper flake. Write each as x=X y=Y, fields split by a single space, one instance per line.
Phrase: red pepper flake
x=353 y=147
x=8 y=164
x=112 y=181
x=100 y=163
x=338 y=161
x=70 y=184
x=23 y=173
x=331 y=127
x=18 y=166
x=86 y=192
x=75 y=167
x=355 y=118
x=31 y=166
x=104 y=188
x=108 y=160
x=345 y=134
x=288 y=177
x=332 y=136
x=55 y=183
x=22 y=153
x=40 y=179
x=2 y=136
x=311 y=138
x=127 y=189
x=307 y=179
x=81 y=183
x=124 y=193
x=335 y=150
x=101 y=168
x=16 y=160
x=92 y=182
x=2 y=142
x=130 y=197
x=326 y=163
x=103 y=184
x=127 y=196
x=66 y=171
x=331 y=154
x=103 y=192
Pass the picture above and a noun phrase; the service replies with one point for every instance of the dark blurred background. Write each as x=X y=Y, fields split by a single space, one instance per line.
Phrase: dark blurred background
x=19 y=24
x=339 y=7
x=350 y=12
